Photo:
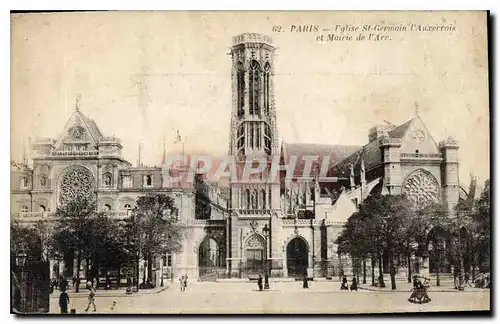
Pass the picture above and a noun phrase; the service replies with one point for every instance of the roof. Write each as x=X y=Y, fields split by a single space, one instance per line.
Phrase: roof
x=92 y=126
x=369 y=153
x=335 y=153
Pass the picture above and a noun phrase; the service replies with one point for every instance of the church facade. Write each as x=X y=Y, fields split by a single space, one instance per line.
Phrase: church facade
x=287 y=225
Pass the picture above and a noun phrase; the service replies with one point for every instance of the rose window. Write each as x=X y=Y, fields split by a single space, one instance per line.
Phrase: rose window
x=77 y=184
x=421 y=188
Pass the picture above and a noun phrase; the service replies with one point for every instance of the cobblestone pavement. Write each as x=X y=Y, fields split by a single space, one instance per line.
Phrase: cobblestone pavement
x=283 y=297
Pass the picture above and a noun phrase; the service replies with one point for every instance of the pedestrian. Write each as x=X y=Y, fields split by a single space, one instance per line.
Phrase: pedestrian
x=181 y=282
x=305 y=283
x=354 y=284
x=91 y=298
x=185 y=282
x=344 y=285
x=63 y=302
x=259 y=282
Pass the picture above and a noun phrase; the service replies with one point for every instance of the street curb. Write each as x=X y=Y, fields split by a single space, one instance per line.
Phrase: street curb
x=430 y=290
x=85 y=295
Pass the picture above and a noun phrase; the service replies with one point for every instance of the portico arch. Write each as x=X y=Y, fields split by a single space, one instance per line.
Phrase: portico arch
x=297 y=257
x=210 y=258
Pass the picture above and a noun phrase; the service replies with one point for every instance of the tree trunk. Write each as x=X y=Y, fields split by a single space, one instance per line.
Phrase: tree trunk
x=373 y=270
x=409 y=267
x=78 y=264
x=438 y=269
x=144 y=272
x=364 y=270
x=392 y=271
x=380 y=272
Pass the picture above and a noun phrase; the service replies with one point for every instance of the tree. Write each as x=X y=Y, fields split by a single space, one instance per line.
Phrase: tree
x=157 y=228
x=73 y=230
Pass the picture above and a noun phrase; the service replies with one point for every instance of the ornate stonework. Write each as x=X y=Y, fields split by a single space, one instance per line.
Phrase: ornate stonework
x=421 y=188
x=254 y=242
x=77 y=183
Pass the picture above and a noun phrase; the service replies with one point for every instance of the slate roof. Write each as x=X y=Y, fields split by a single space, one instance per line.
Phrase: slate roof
x=335 y=153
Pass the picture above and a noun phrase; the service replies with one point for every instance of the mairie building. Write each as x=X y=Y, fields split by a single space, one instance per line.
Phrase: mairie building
x=288 y=225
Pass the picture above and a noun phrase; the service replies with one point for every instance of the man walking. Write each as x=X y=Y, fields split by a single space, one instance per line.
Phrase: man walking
x=91 y=298
x=63 y=302
x=259 y=282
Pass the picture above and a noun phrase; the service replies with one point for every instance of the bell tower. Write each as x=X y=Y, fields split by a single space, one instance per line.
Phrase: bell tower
x=253 y=133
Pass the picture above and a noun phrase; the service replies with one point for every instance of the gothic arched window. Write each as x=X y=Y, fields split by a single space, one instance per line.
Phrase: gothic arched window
x=24 y=183
x=240 y=80
x=267 y=73
x=149 y=180
x=42 y=208
x=107 y=207
x=254 y=87
x=264 y=199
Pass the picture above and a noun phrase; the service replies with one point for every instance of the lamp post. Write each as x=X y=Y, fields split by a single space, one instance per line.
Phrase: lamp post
x=266 y=232
x=21 y=262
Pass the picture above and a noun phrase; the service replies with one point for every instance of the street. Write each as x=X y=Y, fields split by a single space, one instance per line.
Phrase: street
x=283 y=297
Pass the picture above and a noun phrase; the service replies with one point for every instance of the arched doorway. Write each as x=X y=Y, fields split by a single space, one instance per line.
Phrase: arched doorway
x=255 y=255
x=210 y=259
x=297 y=257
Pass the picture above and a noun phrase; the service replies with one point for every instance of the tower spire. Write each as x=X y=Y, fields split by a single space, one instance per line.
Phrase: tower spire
x=77 y=101
x=417 y=109
x=139 y=162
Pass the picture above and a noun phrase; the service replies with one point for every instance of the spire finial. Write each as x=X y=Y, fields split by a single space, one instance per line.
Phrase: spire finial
x=417 y=109
x=77 y=101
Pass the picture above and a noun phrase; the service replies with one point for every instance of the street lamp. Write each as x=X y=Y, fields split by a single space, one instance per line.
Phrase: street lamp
x=163 y=259
x=266 y=232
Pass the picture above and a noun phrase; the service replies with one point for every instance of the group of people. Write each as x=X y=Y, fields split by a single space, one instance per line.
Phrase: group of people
x=419 y=292
x=344 y=285
x=64 y=299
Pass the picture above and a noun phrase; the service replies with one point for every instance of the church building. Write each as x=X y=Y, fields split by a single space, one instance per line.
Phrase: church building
x=285 y=226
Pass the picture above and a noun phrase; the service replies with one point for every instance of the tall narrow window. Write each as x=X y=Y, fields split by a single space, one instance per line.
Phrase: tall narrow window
x=267 y=73
x=240 y=141
x=257 y=126
x=267 y=139
x=254 y=87
x=240 y=80
x=251 y=139
x=43 y=181
x=264 y=199
x=270 y=201
x=248 y=197
x=255 y=197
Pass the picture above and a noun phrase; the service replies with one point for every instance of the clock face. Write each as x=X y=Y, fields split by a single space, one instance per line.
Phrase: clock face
x=418 y=136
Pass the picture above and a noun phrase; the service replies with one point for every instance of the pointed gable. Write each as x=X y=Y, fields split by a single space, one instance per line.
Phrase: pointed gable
x=416 y=138
x=79 y=130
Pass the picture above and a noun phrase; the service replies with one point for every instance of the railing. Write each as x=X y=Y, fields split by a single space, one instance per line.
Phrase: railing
x=422 y=155
x=75 y=153
x=24 y=215
x=208 y=222
x=253 y=211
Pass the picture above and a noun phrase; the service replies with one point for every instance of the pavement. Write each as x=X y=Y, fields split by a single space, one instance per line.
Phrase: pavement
x=83 y=293
x=322 y=297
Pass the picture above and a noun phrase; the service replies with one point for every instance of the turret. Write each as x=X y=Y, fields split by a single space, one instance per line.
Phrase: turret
x=449 y=173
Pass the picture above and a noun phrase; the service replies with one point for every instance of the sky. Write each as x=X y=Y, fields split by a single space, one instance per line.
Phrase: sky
x=144 y=75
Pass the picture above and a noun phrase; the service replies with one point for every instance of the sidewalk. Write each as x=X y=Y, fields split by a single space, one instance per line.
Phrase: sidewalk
x=406 y=287
x=83 y=293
